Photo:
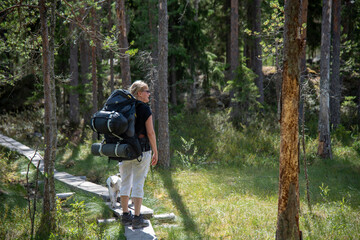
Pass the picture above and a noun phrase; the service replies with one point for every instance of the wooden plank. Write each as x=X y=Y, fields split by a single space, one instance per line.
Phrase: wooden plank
x=64 y=196
x=146 y=233
x=145 y=211
x=104 y=221
x=167 y=217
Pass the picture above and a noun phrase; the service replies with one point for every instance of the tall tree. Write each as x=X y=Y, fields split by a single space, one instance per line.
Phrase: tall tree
x=111 y=55
x=234 y=53
x=85 y=51
x=152 y=11
x=335 y=83
x=49 y=203
x=173 y=81
x=303 y=70
x=74 y=78
x=324 y=148
x=252 y=44
x=288 y=203
x=234 y=37
x=93 y=60
x=123 y=44
x=257 y=59
x=163 y=133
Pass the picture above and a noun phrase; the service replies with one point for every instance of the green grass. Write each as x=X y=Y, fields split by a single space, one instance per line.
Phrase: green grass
x=228 y=203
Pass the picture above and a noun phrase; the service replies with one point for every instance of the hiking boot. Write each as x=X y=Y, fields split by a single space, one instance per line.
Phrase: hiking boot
x=139 y=222
x=127 y=219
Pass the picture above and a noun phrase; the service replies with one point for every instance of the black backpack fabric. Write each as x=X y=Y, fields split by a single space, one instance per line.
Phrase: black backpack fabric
x=116 y=121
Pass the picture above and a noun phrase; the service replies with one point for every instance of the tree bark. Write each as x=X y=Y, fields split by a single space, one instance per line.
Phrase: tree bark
x=47 y=223
x=234 y=54
x=111 y=55
x=324 y=148
x=123 y=44
x=335 y=84
x=93 y=66
x=85 y=72
x=154 y=57
x=74 y=79
x=288 y=203
x=303 y=70
x=234 y=38
x=173 y=81
x=257 y=63
x=164 y=141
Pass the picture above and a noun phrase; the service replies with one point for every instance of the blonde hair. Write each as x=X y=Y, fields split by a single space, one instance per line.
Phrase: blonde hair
x=137 y=86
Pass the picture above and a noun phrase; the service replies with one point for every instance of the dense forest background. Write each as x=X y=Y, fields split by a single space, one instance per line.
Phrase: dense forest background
x=216 y=71
x=199 y=55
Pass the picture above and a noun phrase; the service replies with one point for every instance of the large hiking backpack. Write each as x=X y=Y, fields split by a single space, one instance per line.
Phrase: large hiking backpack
x=116 y=121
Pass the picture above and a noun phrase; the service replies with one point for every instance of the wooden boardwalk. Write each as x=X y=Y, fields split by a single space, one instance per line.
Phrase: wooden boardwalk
x=77 y=182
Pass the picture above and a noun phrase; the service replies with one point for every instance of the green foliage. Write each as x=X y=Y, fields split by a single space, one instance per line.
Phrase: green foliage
x=72 y=224
x=245 y=90
x=349 y=111
x=245 y=95
x=189 y=154
x=216 y=71
x=272 y=33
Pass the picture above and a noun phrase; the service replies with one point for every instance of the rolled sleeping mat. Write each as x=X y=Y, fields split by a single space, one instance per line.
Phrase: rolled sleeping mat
x=111 y=150
x=131 y=126
x=106 y=122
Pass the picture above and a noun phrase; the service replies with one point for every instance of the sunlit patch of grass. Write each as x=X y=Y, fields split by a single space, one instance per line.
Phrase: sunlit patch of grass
x=241 y=203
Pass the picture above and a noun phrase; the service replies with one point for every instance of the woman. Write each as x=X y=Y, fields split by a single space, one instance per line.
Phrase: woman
x=133 y=173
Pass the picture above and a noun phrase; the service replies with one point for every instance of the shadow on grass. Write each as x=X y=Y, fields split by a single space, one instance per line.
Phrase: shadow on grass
x=190 y=226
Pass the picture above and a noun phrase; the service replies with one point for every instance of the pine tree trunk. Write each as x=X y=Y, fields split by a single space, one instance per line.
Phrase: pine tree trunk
x=93 y=62
x=324 y=149
x=152 y=10
x=303 y=70
x=164 y=141
x=111 y=55
x=234 y=37
x=234 y=55
x=84 y=74
x=74 y=79
x=288 y=203
x=173 y=81
x=257 y=63
x=123 y=44
x=47 y=224
x=335 y=84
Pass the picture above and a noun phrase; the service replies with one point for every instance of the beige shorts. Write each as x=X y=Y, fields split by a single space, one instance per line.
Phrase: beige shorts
x=133 y=174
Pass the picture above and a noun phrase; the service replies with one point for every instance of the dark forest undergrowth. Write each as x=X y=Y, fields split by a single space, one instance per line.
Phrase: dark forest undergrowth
x=223 y=183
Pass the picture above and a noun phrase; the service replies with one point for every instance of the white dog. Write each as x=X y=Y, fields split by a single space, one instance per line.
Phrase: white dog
x=114 y=184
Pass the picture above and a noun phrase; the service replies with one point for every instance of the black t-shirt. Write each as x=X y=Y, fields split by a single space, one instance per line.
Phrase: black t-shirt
x=143 y=112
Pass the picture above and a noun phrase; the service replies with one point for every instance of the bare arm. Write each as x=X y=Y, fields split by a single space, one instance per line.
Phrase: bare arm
x=152 y=138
